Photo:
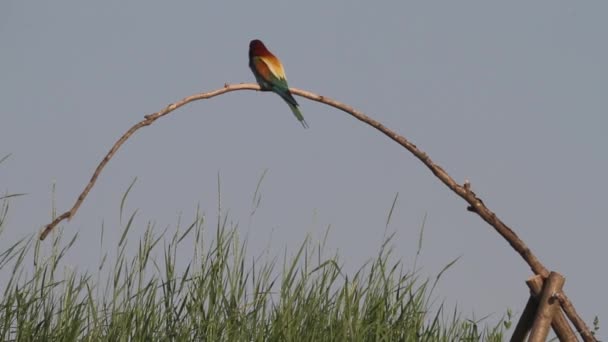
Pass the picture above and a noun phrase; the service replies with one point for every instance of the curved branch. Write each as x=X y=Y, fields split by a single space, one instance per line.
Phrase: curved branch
x=476 y=205
x=464 y=191
x=147 y=121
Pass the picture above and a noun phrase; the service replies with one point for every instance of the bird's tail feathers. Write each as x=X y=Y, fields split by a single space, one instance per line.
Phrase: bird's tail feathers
x=298 y=114
x=286 y=95
x=293 y=105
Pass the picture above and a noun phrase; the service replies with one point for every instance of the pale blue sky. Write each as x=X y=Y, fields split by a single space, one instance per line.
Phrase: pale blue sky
x=511 y=95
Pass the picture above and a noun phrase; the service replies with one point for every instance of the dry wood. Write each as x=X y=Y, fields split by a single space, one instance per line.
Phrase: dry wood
x=464 y=191
x=558 y=322
x=573 y=316
x=525 y=321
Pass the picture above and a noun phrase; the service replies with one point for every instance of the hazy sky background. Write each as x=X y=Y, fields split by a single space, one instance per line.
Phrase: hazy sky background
x=511 y=95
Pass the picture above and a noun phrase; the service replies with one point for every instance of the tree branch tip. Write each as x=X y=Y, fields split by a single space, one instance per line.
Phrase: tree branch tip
x=45 y=231
x=534 y=278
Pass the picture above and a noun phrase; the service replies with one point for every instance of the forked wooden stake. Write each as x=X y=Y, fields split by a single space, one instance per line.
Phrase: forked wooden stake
x=559 y=323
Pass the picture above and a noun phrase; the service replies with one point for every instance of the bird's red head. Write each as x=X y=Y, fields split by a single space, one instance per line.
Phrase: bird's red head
x=257 y=48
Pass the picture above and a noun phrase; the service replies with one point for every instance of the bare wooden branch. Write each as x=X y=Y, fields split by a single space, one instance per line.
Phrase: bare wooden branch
x=547 y=307
x=147 y=121
x=559 y=324
x=573 y=316
x=525 y=321
x=475 y=204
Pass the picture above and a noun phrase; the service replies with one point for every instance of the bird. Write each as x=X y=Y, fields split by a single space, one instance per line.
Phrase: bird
x=270 y=75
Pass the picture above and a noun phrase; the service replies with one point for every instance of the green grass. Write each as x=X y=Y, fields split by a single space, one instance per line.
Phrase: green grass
x=143 y=293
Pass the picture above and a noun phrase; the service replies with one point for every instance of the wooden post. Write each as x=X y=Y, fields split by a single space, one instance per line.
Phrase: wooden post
x=560 y=324
x=548 y=306
x=526 y=319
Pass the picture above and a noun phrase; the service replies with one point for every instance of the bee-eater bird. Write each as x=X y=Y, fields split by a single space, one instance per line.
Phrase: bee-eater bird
x=269 y=74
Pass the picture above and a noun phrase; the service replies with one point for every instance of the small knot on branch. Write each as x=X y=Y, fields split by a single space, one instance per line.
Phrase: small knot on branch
x=559 y=297
x=473 y=208
x=478 y=202
x=467 y=185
